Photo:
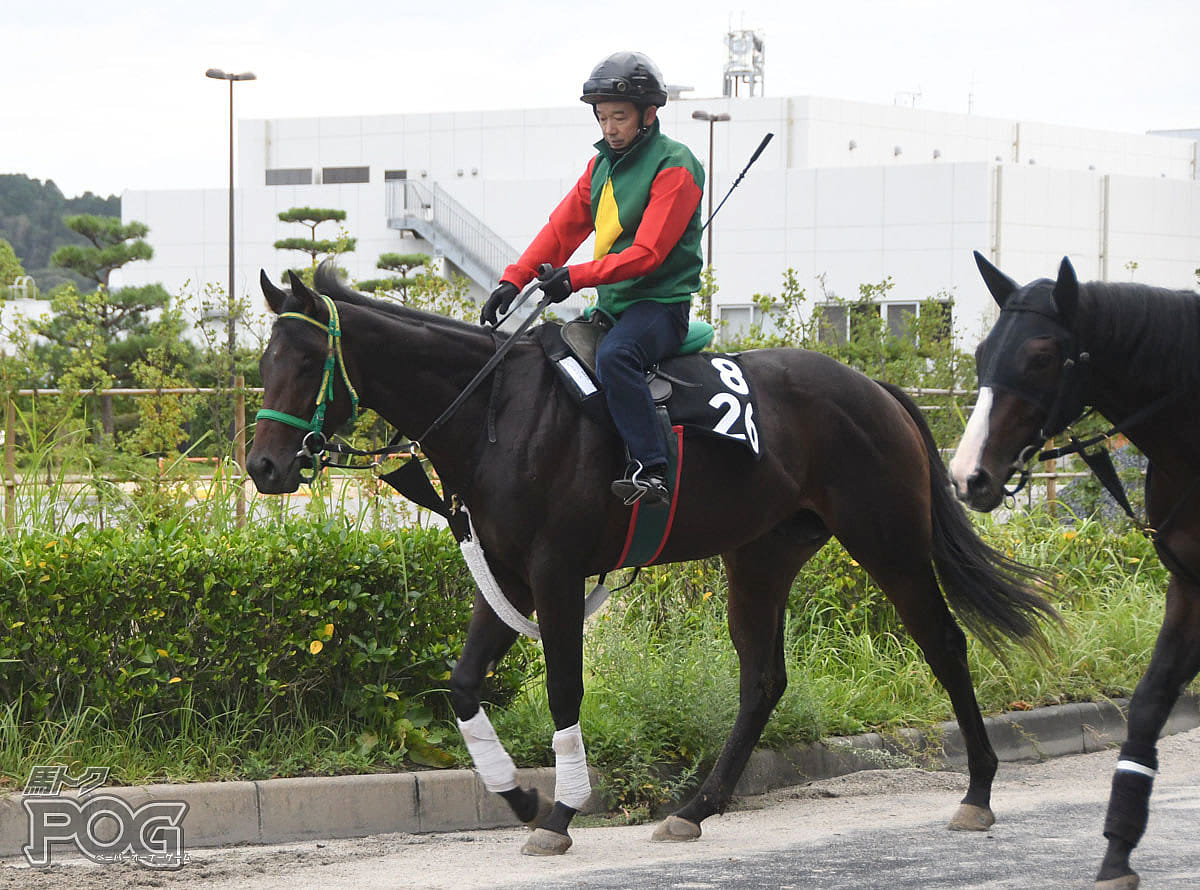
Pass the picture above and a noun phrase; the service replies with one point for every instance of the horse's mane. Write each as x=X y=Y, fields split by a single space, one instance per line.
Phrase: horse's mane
x=1154 y=329
x=328 y=283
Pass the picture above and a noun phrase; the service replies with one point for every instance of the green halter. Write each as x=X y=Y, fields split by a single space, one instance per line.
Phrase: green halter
x=333 y=358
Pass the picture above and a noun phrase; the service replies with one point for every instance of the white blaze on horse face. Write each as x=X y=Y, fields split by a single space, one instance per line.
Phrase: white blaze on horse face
x=970 y=449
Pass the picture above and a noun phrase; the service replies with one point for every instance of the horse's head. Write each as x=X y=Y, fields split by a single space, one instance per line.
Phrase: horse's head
x=1031 y=382
x=299 y=383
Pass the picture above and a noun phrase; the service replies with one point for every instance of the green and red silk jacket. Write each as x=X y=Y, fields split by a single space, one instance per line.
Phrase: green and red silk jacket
x=644 y=206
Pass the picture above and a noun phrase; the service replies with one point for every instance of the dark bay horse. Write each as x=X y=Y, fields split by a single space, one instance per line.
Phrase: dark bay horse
x=843 y=456
x=1132 y=352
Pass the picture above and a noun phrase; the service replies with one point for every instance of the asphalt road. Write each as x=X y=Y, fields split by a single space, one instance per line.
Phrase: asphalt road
x=878 y=829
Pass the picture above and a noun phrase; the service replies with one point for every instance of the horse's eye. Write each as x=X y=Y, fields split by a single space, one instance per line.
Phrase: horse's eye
x=1041 y=361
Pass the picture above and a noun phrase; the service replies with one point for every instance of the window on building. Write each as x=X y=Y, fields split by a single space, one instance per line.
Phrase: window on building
x=900 y=319
x=839 y=321
x=941 y=328
x=864 y=319
x=738 y=320
x=290 y=176
x=390 y=175
x=832 y=323
x=337 y=175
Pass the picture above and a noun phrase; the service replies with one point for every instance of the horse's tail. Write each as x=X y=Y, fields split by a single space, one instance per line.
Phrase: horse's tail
x=992 y=595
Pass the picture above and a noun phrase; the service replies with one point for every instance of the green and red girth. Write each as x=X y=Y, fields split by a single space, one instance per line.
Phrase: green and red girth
x=644 y=206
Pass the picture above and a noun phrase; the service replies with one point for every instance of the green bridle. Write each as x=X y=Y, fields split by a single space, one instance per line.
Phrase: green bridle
x=333 y=360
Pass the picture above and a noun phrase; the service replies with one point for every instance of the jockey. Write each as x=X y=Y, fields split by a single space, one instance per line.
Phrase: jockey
x=641 y=196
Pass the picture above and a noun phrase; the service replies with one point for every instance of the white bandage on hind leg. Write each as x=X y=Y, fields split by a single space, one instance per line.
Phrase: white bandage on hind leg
x=492 y=762
x=571 y=783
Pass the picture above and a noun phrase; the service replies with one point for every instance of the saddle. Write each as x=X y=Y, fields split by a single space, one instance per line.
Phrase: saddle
x=706 y=392
x=582 y=337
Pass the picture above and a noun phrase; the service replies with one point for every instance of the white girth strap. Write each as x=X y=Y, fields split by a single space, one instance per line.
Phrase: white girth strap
x=492 y=762
x=472 y=551
x=571 y=783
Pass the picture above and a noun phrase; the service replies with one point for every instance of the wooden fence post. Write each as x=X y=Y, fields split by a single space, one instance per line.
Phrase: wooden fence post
x=239 y=444
x=10 y=464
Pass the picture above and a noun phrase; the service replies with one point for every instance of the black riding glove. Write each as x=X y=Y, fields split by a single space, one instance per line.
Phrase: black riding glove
x=555 y=283
x=499 y=301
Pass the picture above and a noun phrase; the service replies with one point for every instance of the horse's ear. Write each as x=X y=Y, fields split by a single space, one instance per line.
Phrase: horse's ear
x=275 y=295
x=1066 y=291
x=997 y=282
x=309 y=301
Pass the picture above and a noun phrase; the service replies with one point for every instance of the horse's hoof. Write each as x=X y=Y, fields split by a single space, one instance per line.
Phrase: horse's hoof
x=545 y=806
x=972 y=818
x=1125 y=882
x=544 y=842
x=675 y=828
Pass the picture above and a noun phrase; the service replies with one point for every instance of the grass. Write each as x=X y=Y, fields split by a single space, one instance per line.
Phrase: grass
x=661 y=673
x=666 y=689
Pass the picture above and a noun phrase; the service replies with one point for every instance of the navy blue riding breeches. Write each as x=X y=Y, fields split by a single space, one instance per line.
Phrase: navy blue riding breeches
x=645 y=334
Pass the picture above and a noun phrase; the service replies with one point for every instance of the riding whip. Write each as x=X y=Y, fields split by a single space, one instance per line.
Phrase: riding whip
x=753 y=158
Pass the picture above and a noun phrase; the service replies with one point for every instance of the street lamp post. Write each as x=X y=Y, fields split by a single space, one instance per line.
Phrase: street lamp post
x=218 y=74
x=712 y=119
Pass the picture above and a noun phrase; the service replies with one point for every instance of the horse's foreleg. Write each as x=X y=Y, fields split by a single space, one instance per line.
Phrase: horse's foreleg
x=559 y=600
x=1175 y=662
x=760 y=575
x=488 y=639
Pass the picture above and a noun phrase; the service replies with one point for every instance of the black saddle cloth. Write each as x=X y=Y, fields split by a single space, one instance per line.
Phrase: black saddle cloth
x=707 y=392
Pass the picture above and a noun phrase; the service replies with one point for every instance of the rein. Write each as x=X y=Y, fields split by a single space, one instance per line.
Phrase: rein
x=410 y=480
x=1100 y=462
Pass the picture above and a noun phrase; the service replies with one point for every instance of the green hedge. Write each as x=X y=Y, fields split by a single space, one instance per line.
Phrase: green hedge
x=303 y=617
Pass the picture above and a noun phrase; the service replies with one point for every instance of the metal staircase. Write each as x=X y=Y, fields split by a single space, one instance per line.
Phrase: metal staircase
x=453 y=231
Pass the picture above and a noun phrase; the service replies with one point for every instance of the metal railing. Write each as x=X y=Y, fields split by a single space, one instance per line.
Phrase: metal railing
x=429 y=209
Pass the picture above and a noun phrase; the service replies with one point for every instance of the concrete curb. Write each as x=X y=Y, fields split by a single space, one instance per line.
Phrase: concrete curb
x=279 y=810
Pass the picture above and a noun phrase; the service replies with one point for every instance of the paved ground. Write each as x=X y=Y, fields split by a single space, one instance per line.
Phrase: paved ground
x=875 y=829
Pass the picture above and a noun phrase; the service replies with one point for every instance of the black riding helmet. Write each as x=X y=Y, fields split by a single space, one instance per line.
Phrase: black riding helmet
x=626 y=77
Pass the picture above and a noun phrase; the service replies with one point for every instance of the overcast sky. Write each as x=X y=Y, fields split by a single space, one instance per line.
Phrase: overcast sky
x=108 y=96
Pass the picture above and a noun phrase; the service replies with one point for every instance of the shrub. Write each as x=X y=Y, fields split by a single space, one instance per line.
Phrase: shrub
x=309 y=616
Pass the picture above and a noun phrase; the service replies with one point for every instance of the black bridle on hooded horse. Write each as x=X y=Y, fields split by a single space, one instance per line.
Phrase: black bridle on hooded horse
x=843 y=456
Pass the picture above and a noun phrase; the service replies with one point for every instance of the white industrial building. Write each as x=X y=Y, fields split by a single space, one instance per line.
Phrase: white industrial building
x=849 y=191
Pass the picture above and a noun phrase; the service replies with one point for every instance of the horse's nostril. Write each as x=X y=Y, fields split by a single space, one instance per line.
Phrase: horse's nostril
x=260 y=467
x=979 y=482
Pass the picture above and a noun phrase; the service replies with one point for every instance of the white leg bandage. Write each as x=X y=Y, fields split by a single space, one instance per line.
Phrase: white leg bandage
x=1132 y=766
x=571 y=783
x=492 y=762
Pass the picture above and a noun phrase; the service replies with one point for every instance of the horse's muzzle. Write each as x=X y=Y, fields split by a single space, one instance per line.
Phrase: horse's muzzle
x=983 y=492
x=270 y=477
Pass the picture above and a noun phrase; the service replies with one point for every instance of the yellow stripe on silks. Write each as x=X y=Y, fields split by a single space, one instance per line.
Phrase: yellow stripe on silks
x=608 y=221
